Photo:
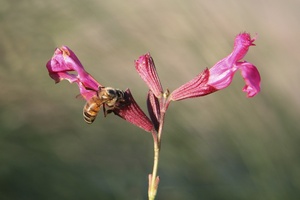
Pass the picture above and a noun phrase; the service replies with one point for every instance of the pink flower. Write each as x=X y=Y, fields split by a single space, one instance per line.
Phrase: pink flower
x=220 y=75
x=65 y=61
x=64 y=65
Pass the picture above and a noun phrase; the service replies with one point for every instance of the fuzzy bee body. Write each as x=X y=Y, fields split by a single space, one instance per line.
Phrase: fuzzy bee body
x=108 y=98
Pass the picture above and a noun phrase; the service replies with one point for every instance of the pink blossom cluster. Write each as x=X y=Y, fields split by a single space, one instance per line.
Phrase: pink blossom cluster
x=64 y=65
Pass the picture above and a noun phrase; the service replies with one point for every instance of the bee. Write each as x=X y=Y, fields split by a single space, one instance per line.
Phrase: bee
x=106 y=97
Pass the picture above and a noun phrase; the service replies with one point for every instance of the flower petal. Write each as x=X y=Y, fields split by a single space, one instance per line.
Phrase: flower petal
x=58 y=76
x=132 y=113
x=64 y=65
x=222 y=72
x=251 y=77
x=87 y=94
x=242 y=43
x=146 y=68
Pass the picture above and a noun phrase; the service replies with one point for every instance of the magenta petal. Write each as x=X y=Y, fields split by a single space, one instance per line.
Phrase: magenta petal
x=64 y=65
x=221 y=74
x=57 y=62
x=64 y=60
x=194 y=88
x=60 y=76
x=251 y=77
x=132 y=113
x=89 y=82
x=242 y=43
x=87 y=94
x=73 y=62
x=146 y=68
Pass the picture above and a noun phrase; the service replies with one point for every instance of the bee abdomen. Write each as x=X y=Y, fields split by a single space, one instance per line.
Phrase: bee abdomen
x=90 y=112
x=88 y=118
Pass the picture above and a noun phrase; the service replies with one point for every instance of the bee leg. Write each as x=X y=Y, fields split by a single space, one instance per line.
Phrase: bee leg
x=105 y=112
x=109 y=111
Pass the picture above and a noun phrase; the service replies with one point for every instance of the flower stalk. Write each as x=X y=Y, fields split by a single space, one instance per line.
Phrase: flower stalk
x=153 y=178
x=157 y=136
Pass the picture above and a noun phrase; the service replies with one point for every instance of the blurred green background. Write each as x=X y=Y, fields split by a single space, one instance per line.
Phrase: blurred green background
x=223 y=146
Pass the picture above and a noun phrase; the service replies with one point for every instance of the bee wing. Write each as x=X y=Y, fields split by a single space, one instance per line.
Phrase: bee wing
x=80 y=97
x=87 y=95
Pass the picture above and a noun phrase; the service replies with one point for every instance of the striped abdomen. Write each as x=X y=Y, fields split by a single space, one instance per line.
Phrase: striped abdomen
x=91 y=109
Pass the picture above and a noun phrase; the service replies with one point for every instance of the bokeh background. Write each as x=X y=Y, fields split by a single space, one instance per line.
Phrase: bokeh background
x=223 y=146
